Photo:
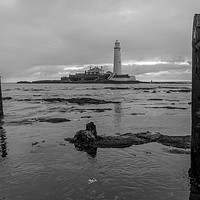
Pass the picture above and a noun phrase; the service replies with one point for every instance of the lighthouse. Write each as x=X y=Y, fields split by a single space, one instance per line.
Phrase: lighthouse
x=117 y=75
x=117 y=69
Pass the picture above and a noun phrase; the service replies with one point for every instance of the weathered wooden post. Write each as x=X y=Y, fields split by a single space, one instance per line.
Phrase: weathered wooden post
x=1 y=103
x=195 y=143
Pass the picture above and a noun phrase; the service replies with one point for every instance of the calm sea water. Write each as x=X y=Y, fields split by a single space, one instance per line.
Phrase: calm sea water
x=54 y=170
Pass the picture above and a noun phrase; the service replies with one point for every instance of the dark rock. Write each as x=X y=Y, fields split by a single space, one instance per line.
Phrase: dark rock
x=180 y=90
x=79 y=101
x=185 y=91
x=34 y=143
x=171 y=87
x=82 y=101
x=117 y=88
x=70 y=140
x=41 y=119
x=23 y=122
x=6 y=98
x=88 y=140
x=172 y=100
x=177 y=151
x=146 y=88
x=137 y=113
x=53 y=120
x=92 y=151
x=148 y=152
x=149 y=136
x=92 y=88
x=121 y=141
x=93 y=109
x=175 y=141
x=155 y=99
x=35 y=90
x=52 y=100
x=100 y=109
x=168 y=107
x=25 y=100
x=113 y=142
x=86 y=117
x=84 y=139
x=23 y=82
x=91 y=127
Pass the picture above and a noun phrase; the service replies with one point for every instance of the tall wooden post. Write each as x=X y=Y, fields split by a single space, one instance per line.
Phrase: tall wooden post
x=195 y=143
x=1 y=101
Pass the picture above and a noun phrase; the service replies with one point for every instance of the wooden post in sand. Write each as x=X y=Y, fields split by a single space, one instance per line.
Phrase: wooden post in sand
x=1 y=101
x=195 y=141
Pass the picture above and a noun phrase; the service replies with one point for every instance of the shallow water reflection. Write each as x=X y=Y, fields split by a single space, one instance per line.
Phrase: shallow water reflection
x=118 y=116
x=3 y=143
x=90 y=150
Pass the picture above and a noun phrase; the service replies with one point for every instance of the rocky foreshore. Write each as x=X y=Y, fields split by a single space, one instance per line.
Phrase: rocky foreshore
x=88 y=140
x=79 y=101
x=30 y=121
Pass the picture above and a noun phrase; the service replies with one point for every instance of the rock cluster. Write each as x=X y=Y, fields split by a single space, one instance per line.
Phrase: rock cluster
x=79 y=101
x=40 y=119
x=88 y=140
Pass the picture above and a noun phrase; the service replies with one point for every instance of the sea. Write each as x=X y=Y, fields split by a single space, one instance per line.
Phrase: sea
x=36 y=163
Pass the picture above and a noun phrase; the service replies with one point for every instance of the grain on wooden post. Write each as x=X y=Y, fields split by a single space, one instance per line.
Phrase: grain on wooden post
x=195 y=143
x=1 y=101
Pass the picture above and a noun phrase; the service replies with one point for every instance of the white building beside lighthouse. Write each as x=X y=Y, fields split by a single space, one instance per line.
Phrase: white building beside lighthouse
x=117 y=75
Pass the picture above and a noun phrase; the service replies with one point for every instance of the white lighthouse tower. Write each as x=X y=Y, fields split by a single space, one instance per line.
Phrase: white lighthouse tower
x=117 y=75
x=117 y=69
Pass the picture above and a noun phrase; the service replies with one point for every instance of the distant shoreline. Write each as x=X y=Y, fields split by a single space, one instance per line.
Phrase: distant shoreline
x=99 y=82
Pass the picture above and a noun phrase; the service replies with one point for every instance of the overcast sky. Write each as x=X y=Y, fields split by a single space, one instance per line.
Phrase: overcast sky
x=47 y=39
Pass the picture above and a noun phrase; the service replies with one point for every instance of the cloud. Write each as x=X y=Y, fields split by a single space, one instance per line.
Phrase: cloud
x=160 y=70
x=76 y=32
x=143 y=70
x=172 y=75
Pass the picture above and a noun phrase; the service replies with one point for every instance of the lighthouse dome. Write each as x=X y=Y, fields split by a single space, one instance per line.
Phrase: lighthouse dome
x=117 y=44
